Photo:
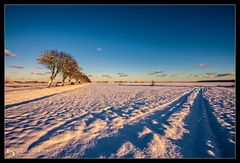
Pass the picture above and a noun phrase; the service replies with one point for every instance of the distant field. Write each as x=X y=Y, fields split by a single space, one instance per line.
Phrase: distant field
x=15 y=87
x=199 y=84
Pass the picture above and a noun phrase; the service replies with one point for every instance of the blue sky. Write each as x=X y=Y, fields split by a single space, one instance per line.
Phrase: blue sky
x=124 y=42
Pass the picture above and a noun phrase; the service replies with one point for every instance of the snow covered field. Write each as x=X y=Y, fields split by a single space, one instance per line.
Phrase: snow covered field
x=123 y=121
x=16 y=96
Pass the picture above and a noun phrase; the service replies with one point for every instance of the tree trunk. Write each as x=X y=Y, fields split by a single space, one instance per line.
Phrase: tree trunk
x=51 y=80
x=64 y=78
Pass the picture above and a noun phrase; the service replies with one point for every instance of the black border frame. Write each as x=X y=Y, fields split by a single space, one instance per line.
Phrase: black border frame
x=234 y=2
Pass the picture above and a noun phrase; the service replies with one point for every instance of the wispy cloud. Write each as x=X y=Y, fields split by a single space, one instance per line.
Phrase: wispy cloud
x=39 y=67
x=107 y=76
x=9 y=53
x=121 y=74
x=99 y=49
x=173 y=76
x=161 y=75
x=210 y=73
x=196 y=75
x=124 y=75
x=157 y=72
x=223 y=75
x=201 y=65
x=17 y=67
x=151 y=73
x=39 y=73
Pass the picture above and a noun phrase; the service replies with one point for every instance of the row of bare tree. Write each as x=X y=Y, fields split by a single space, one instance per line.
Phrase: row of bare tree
x=63 y=63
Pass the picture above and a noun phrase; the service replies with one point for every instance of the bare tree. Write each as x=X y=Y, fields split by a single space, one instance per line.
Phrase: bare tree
x=76 y=75
x=84 y=78
x=53 y=60
x=61 y=62
x=80 y=76
x=69 y=67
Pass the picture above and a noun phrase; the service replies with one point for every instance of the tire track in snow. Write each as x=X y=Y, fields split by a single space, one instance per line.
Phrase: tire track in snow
x=226 y=149
x=52 y=132
x=206 y=137
x=128 y=137
x=77 y=148
x=222 y=102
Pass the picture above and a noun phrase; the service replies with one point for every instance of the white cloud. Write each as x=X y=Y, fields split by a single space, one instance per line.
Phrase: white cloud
x=9 y=53
x=99 y=49
x=201 y=65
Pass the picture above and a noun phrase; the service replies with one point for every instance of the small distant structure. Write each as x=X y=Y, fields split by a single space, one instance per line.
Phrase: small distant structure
x=153 y=83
